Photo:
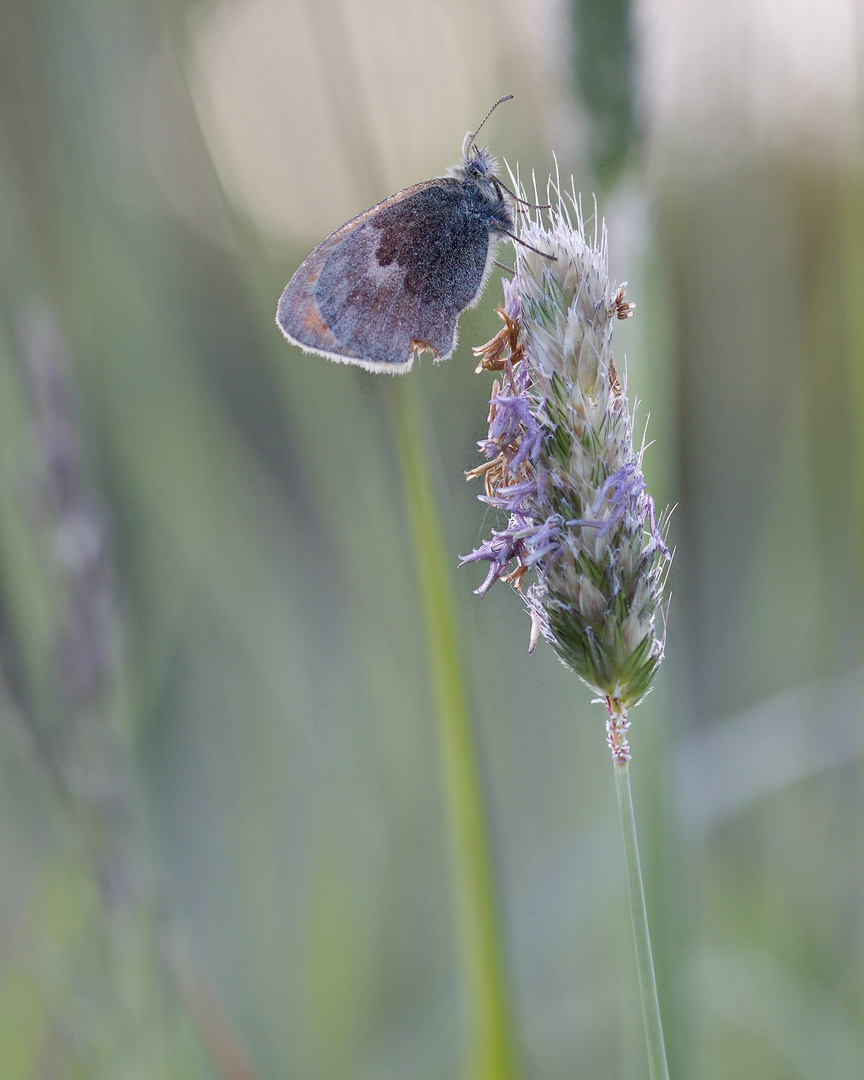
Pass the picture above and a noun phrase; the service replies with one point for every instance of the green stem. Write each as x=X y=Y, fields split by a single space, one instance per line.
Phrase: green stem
x=638 y=913
x=492 y=1054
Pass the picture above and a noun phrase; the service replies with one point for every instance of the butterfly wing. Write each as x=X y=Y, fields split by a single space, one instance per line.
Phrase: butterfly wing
x=392 y=280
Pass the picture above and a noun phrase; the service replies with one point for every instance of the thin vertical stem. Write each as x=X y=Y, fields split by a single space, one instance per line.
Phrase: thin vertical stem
x=617 y=728
x=492 y=1054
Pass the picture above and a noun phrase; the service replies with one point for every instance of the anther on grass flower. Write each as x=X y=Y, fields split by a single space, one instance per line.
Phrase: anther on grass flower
x=562 y=464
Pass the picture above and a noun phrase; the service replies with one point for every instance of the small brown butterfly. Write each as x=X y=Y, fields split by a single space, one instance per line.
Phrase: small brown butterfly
x=394 y=280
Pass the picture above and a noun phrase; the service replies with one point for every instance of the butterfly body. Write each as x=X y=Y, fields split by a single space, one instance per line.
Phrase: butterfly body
x=395 y=279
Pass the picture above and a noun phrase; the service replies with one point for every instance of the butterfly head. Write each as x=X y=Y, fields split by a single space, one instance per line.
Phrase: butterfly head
x=476 y=172
x=476 y=164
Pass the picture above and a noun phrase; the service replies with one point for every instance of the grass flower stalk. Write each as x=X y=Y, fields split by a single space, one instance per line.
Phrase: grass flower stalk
x=71 y=706
x=560 y=461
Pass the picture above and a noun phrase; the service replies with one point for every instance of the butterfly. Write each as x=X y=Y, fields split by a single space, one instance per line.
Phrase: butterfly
x=393 y=281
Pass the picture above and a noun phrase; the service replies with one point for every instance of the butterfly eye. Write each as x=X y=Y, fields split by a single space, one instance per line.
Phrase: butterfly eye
x=479 y=169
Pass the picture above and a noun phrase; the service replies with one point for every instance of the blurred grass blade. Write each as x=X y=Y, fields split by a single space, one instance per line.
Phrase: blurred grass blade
x=492 y=1054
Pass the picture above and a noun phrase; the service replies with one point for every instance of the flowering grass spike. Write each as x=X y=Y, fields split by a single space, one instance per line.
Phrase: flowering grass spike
x=562 y=465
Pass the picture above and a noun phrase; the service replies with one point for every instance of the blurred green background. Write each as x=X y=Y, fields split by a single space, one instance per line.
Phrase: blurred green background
x=223 y=842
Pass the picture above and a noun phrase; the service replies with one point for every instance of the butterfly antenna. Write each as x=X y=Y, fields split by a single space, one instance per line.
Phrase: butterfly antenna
x=474 y=134
x=524 y=202
x=537 y=251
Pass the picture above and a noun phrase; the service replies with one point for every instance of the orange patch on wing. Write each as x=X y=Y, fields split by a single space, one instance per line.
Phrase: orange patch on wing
x=421 y=345
x=312 y=321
